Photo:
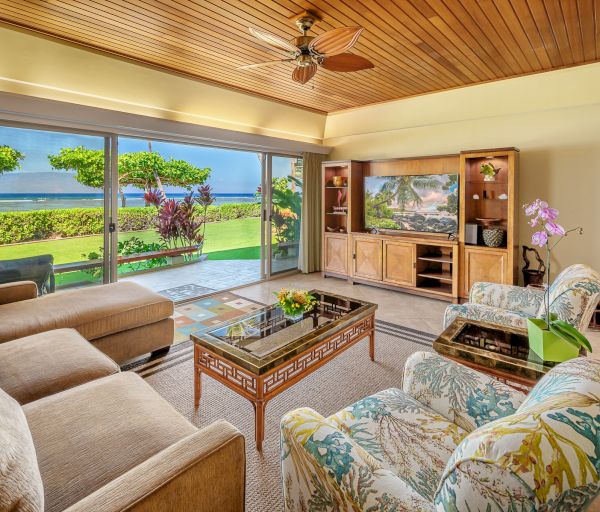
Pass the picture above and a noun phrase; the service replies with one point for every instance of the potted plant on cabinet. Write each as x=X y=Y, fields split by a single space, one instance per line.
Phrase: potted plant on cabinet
x=488 y=171
x=550 y=338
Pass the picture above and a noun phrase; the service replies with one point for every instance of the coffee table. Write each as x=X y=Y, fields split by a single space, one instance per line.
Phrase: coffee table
x=497 y=350
x=262 y=354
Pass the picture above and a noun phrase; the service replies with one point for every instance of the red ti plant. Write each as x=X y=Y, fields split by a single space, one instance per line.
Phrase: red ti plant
x=153 y=197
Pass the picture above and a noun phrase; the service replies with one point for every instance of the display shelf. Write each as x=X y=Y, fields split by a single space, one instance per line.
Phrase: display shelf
x=439 y=276
x=436 y=259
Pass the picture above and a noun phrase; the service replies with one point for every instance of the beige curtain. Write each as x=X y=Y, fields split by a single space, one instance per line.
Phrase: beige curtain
x=310 y=224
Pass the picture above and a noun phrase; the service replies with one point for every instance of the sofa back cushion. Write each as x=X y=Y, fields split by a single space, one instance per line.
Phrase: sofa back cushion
x=574 y=295
x=21 y=487
x=545 y=455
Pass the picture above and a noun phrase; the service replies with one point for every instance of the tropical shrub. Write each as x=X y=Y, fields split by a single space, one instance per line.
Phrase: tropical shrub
x=25 y=226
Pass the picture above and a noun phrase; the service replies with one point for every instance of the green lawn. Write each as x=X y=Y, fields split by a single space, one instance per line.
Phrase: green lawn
x=230 y=239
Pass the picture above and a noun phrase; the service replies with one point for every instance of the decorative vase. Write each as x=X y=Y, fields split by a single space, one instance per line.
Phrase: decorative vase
x=338 y=181
x=493 y=237
x=294 y=317
x=487 y=177
x=548 y=345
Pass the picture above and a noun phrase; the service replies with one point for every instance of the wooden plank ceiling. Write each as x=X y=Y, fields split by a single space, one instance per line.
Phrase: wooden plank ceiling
x=417 y=46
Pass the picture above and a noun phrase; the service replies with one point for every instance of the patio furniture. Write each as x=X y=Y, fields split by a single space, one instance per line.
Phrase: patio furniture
x=494 y=349
x=111 y=445
x=38 y=269
x=44 y=364
x=451 y=439
x=574 y=295
x=124 y=320
x=262 y=354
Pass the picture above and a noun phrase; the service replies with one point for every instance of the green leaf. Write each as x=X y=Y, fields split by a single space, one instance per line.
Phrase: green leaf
x=574 y=333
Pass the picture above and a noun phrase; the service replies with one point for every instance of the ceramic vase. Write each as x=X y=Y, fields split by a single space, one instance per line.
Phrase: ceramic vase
x=493 y=237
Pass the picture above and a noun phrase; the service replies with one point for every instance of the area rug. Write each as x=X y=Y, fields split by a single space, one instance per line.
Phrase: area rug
x=186 y=291
x=345 y=379
x=207 y=312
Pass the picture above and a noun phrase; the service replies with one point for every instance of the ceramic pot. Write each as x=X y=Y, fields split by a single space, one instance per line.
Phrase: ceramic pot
x=548 y=345
x=493 y=237
x=487 y=177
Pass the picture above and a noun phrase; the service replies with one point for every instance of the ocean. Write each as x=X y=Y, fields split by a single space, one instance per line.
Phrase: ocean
x=24 y=202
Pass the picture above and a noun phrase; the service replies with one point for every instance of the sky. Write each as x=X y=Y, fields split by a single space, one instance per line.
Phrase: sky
x=232 y=171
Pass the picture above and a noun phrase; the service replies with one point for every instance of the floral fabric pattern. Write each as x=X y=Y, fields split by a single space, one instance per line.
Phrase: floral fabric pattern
x=546 y=456
x=452 y=440
x=462 y=395
x=574 y=295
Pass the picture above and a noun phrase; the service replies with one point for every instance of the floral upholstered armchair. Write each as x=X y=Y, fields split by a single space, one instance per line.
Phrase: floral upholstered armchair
x=452 y=440
x=574 y=295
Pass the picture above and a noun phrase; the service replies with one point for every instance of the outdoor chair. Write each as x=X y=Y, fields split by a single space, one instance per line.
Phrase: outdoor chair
x=38 y=269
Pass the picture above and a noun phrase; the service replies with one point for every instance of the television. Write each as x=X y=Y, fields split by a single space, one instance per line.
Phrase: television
x=424 y=203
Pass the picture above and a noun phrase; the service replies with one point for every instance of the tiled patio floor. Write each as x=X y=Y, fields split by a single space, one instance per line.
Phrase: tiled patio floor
x=214 y=274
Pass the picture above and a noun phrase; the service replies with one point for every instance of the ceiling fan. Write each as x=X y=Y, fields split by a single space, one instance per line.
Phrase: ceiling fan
x=328 y=50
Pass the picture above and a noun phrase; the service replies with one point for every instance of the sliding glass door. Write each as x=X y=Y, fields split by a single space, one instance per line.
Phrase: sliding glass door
x=53 y=219
x=286 y=212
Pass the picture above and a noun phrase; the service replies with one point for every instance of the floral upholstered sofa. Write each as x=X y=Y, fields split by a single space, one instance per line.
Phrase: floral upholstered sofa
x=574 y=295
x=452 y=440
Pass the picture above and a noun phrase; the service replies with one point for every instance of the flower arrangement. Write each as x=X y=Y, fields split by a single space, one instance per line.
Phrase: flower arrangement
x=294 y=303
x=549 y=235
x=488 y=171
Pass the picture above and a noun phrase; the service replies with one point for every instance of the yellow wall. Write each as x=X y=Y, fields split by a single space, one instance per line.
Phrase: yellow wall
x=553 y=118
x=44 y=68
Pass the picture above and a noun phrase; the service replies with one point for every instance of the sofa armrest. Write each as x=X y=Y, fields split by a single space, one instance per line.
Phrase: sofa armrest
x=17 y=291
x=462 y=395
x=322 y=465
x=504 y=296
x=204 y=471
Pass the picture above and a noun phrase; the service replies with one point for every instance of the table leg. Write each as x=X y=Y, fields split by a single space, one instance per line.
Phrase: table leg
x=372 y=345
x=197 y=378
x=259 y=423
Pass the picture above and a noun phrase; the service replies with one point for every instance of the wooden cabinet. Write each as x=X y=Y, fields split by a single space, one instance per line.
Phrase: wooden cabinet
x=399 y=263
x=367 y=258
x=487 y=265
x=335 y=253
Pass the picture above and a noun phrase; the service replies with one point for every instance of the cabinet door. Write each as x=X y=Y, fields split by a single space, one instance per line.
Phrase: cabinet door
x=368 y=260
x=335 y=254
x=483 y=265
x=399 y=263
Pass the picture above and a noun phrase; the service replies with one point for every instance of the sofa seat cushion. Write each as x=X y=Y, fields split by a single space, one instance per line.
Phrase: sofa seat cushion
x=95 y=312
x=407 y=437
x=20 y=482
x=91 y=434
x=43 y=364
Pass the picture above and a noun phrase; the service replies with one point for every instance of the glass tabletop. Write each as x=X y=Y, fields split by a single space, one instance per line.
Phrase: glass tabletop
x=264 y=336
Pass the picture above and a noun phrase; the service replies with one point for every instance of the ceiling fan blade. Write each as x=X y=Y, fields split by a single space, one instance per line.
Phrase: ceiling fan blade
x=273 y=40
x=346 y=62
x=336 y=41
x=305 y=73
x=264 y=64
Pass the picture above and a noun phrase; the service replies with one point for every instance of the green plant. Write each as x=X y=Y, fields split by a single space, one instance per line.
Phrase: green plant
x=287 y=206
x=25 y=226
x=10 y=159
x=293 y=302
x=487 y=169
x=129 y=247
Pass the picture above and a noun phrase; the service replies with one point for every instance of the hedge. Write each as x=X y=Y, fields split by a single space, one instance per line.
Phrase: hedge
x=31 y=225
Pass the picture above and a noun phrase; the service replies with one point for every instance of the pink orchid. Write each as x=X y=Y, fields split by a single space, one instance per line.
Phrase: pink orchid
x=539 y=238
x=548 y=213
x=555 y=229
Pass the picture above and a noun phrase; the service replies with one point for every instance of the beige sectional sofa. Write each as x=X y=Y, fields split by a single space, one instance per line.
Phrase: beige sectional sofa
x=124 y=320
x=108 y=444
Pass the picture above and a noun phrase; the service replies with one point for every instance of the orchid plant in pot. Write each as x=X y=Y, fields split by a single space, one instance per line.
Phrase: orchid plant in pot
x=550 y=338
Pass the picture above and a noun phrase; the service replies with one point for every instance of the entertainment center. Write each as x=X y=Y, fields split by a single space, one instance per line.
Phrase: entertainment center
x=410 y=228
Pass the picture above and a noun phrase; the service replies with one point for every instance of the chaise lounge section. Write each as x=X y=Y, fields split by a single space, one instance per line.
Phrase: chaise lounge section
x=124 y=320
